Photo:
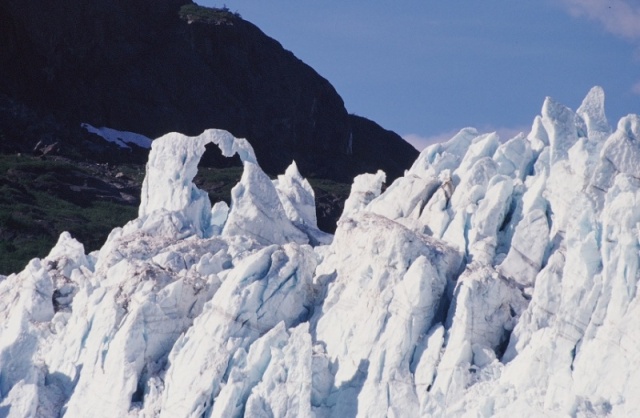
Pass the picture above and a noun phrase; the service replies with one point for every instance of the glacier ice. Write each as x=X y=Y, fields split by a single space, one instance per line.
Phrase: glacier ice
x=496 y=278
x=257 y=211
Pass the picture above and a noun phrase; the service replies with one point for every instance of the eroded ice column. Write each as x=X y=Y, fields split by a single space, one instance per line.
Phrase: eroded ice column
x=257 y=212
x=299 y=203
x=173 y=163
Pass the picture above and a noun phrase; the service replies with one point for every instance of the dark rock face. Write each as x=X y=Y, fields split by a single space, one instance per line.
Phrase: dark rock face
x=146 y=67
x=135 y=65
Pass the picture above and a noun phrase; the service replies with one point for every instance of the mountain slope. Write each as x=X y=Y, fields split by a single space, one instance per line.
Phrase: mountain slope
x=153 y=67
x=144 y=66
x=493 y=279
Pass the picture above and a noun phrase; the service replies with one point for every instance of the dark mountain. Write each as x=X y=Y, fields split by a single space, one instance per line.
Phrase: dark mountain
x=152 y=67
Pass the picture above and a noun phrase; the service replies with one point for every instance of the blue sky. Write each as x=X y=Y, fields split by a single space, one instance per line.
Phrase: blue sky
x=426 y=68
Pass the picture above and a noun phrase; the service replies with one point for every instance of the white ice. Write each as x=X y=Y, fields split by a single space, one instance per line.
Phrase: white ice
x=496 y=278
x=120 y=138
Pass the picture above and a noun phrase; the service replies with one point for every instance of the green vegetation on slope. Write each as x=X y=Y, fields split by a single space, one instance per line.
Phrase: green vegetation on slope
x=197 y=13
x=40 y=198
x=218 y=182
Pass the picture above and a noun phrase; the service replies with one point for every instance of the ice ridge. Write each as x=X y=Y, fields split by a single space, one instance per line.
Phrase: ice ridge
x=496 y=278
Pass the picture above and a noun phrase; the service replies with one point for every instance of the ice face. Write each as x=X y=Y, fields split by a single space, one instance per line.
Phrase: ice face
x=257 y=211
x=297 y=197
x=592 y=112
x=494 y=278
x=376 y=313
x=298 y=201
x=364 y=189
x=266 y=288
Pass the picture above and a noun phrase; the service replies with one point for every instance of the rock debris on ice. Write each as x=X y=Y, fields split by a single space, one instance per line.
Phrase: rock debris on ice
x=496 y=278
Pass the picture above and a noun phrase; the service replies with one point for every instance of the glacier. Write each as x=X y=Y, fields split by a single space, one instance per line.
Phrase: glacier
x=495 y=278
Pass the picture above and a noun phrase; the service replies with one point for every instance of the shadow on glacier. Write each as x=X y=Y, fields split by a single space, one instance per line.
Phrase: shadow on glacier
x=344 y=399
x=59 y=387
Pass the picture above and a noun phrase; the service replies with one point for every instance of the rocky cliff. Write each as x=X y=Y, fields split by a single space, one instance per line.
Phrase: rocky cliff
x=154 y=67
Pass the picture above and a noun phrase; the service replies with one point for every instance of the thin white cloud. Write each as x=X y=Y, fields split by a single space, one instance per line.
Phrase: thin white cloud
x=506 y=132
x=420 y=142
x=619 y=17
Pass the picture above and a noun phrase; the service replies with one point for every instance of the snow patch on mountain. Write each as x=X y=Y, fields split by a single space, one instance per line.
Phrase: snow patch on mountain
x=120 y=138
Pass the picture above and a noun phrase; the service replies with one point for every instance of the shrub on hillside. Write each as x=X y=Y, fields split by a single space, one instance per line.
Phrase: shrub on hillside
x=218 y=16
